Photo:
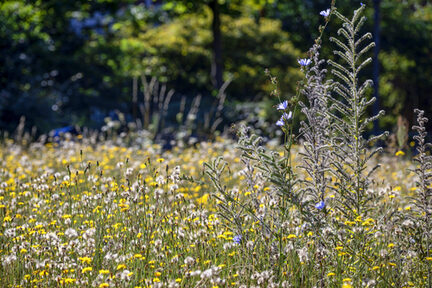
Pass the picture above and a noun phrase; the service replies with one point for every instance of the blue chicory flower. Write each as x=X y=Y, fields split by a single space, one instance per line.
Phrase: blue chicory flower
x=304 y=62
x=284 y=117
x=325 y=13
x=320 y=205
x=283 y=105
x=237 y=239
x=280 y=122
x=361 y=4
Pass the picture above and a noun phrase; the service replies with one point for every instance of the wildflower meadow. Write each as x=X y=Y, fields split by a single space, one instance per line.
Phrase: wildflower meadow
x=327 y=206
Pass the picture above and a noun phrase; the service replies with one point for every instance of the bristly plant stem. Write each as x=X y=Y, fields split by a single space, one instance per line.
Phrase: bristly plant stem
x=423 y=204
x=352 y=153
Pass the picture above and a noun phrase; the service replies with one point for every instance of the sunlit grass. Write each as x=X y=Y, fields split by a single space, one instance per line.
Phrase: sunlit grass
x=76 y=215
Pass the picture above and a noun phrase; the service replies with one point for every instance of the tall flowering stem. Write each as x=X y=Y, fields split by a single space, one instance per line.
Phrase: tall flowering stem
x=423 y=201
x=350 y=149
x=349 y=105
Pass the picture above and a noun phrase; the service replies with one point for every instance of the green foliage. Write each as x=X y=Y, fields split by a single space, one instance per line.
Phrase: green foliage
x=393 y=84
x=48 y=65
x=406 y=57
x=24 y=47
x=174 y=43
x=228 y=7
x=179 y=53
x=251 y=46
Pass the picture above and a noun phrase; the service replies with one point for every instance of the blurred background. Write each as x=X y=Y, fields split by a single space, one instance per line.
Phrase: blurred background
x=199 y=64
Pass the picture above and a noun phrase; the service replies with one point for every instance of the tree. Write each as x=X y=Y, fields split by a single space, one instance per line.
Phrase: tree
x=51 y=74
x=377 y=40
x=217 y=8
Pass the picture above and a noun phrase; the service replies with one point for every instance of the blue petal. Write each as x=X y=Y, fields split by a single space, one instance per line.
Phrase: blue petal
x=280 y=122
x=283 y=105
x=320 y=205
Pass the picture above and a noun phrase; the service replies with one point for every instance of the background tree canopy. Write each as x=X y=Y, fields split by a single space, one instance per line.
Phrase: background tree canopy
x=74 y=62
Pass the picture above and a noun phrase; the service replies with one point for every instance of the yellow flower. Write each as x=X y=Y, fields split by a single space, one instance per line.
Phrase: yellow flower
x=346 y=283
x=291 y=236
x=203 y=199
x=178 y=280
x=400 y=153
x=368 y=222
x=86 y=269
x=121 y=266
x=103 y=285
x=85 y=260
x=331 y=274
x=104 y=271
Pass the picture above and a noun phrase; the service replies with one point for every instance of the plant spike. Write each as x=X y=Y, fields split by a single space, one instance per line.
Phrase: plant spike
x=351 y=152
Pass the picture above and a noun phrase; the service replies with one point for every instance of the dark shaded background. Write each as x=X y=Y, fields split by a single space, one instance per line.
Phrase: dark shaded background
x=77 y=62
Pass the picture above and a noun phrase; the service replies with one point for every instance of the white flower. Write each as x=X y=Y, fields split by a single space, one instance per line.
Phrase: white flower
x=195 y=273
x=125 y=275
x=207 y=274
x=189 y=260
x=70 y=232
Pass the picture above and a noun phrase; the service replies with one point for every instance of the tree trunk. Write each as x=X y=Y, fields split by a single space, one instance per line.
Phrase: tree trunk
x=376 y=106
x=134 y=97
x=217 y=62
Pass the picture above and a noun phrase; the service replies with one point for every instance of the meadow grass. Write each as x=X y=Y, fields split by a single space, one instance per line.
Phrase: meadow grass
x=77 y=215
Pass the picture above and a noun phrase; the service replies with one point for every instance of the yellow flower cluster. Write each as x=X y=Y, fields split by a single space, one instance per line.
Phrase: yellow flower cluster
x=80 y=215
